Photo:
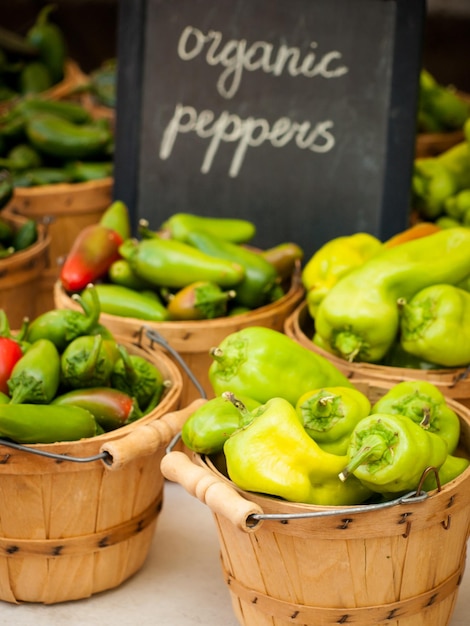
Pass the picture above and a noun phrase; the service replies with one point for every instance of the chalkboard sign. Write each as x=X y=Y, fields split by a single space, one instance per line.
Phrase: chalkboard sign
x=296 y=114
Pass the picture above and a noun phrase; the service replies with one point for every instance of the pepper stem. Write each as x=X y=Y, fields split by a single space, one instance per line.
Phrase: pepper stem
x=371 y=450
x=217 y=354
x=238 y=404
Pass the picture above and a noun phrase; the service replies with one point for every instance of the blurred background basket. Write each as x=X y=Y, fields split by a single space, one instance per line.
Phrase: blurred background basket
x=73 y=529
x=327 y=566
x=192 y=340
x=21 y=274
x=452 y=382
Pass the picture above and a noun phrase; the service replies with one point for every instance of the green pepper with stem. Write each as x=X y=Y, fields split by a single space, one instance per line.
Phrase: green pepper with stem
x=88 y=361
x=172 y=263
x=262 y=363
x=210 y=425
x=201 y=300
x=260 y=275
x=274 y=455
x=435 y=325
x=389 y=453
x=45 y=423
x=181 y=225
x=359 y=317
x=329 y=415
x=49 y=39
x=139 y=378
x=110 y=407
x=126 y=302
x=424 y=404
x=61 y=326
x=35 y=377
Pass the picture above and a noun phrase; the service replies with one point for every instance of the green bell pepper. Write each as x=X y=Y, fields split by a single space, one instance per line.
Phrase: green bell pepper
x=424 y=404
x=359 y=317
x=329 y=415
x=263 y=363
x=389 y=453
x=435 y=325
x=274 y=455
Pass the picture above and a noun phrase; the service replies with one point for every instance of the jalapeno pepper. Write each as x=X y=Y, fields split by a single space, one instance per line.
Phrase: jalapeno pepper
x=181 y=225
x=88 y=361
x=35 y=377
x=110 y=407
x=49 y=39
x=45 y=423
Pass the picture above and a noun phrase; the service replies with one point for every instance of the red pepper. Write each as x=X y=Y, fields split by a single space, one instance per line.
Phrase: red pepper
x=10 y=353
x=94 y=250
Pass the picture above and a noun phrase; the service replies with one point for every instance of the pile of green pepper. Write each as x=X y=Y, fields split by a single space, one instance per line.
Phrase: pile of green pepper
x=33 y=62
x=191 y=268
x=440 y=109
x=319 y=441
x=64 y=377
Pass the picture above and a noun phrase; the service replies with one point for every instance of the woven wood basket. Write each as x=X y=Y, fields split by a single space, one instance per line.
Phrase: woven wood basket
x=65 y=208
x=393 y=565
x=20 y=275
x=452 y=382
x=193 y=340
x=432 y=144
x=72 y=529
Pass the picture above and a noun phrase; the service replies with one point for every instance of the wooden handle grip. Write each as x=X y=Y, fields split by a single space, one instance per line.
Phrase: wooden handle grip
x=203 y=484
x=146 y=438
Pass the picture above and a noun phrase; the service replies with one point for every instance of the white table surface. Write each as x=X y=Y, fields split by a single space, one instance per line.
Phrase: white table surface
x=180 y=583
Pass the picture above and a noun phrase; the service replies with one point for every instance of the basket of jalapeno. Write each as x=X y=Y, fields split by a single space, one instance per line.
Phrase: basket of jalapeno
x=77 y=521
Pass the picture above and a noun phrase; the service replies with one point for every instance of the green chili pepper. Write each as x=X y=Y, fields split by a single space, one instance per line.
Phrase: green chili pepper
x=36 y=376
x=260 y=276
x=45 y=423
x=435 y=325
x=25 y=236
x=21 y=157
x=49 y=39
x=88 y=361
x=452 y=467
x=389 y=453
x=330 y=414
x=71 y=111
x=201 y=300
x=172 y=263
x=84 y=171
x=117 y=218
x=35 y=78
x=6 y=188
x=61 y=326
x=121 y=273
x=181 y=225
x=262 y=363
x=422 y=402
x=139 y=378
x=274 y=455
x=37 y=176
x=125 y=302
x=210 y=425
x=359 y=318
x=57 y=137
x=110 y=407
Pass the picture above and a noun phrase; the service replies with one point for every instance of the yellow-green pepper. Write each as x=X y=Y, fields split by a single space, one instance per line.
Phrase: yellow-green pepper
x=274 y=455
x=359 y=317
x=329 y=415
x=424 y=404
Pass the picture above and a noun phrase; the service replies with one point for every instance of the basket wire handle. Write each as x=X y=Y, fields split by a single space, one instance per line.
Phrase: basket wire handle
x=101 y=456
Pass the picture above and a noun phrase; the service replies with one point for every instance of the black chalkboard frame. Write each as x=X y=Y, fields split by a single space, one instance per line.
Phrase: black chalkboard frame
x=394 y=205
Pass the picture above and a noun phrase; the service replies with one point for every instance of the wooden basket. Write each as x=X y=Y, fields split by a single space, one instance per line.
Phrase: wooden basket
x=397 y=564
x=72 y=529
x=432 y=144
x=20 y=275
x=192 y=340
x=452 y=382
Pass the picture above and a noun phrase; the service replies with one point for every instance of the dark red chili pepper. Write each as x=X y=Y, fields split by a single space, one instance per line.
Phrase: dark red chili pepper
x=110 y=407
x=94 y=250
x=10 y=354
